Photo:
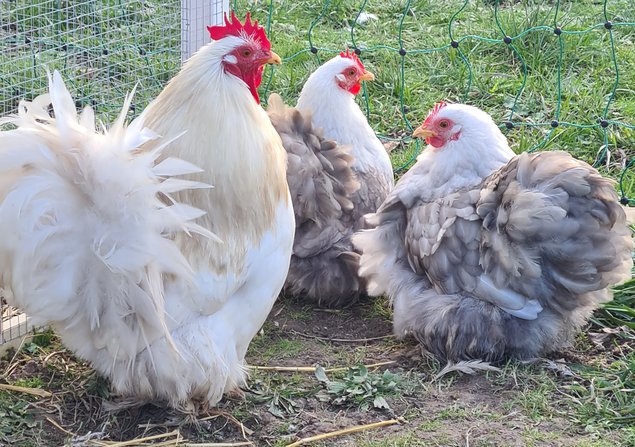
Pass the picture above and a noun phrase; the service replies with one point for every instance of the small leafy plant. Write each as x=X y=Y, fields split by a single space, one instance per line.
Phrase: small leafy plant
x=14 y=419
x=360 y=388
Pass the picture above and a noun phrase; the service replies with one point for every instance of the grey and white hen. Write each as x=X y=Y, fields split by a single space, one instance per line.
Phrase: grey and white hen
x=488 y=255
x=338 y=172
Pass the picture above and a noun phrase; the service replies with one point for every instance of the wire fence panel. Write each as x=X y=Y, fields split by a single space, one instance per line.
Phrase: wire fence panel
x=197 y=14
x=13 y=324
x=430 y=51
x=103 y=48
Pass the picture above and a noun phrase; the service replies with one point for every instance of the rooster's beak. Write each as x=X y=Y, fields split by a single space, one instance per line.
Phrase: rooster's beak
x=273 y=59
x=367 y=76
x=423 y=132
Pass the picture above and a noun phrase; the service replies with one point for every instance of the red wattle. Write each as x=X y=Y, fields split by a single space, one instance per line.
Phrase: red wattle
x=253 y=80
x=435 y=141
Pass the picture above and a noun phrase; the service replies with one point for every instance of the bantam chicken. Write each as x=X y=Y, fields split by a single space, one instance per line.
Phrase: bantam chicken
x=338 y=171
x=102 y=245
x=488 y=255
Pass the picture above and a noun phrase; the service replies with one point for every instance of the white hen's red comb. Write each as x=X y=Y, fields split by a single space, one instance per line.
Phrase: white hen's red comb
x=353 y=57
x=438 y=106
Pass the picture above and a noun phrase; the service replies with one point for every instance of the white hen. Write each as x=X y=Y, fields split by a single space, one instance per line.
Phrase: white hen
x=329 y=97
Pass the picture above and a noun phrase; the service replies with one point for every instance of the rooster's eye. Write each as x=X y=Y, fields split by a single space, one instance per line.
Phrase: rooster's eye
x=444 y=124
x=246 y=53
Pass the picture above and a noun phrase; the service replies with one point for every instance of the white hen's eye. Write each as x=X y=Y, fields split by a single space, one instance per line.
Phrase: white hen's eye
x=246 y=53
x=444 y=124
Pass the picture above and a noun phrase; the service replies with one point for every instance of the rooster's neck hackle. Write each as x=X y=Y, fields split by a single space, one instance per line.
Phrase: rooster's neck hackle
x=236 y=146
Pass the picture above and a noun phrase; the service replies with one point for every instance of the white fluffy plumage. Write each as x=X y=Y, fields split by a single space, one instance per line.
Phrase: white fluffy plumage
x=106 y=249
x=92 y=238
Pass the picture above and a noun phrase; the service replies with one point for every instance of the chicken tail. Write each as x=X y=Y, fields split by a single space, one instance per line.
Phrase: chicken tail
x=88 y=221
x=379 y=256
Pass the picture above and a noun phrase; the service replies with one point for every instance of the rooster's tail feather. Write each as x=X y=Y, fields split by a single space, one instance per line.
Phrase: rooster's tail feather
x=87 y=223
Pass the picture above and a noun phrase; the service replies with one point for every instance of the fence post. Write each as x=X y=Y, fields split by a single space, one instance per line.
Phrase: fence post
x=196 y=15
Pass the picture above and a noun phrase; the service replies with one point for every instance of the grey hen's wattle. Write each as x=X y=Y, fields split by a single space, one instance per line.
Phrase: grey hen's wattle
x=323 y=266
x=512 y=267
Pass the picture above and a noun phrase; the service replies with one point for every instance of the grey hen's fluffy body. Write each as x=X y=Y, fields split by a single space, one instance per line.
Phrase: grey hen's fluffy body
x=544 y=226
x=323 y=265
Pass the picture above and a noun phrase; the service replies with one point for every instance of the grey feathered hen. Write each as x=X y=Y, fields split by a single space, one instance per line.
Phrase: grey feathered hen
x=323 y=265
x=488 y=255
x=338 y=172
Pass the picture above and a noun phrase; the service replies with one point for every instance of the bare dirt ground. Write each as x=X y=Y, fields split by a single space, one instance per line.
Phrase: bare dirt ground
x=520 y=405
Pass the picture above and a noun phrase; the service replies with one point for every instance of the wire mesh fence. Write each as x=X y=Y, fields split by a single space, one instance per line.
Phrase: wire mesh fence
x=442 y=51
x=13 y=324
x=102 y=47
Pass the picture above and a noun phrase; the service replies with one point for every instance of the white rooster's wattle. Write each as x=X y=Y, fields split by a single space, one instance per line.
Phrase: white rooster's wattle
x=105 y=248
x=489 y=255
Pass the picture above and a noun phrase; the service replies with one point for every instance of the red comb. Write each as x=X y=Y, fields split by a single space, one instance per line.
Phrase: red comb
x=354 y=57
x=235 y=28
x=438 y=106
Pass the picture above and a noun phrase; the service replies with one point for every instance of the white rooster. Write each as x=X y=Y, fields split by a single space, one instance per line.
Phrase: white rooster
x=338 y=171
x=488 y=255
x=161 y=306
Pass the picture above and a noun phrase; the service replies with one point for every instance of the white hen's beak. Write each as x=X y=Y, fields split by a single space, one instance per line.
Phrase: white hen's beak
x=367 y=76
x=423 y=132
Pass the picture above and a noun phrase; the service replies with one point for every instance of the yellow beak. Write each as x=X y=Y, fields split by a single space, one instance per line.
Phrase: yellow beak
x=423 y=132
x=367 y=76
x=274 y=59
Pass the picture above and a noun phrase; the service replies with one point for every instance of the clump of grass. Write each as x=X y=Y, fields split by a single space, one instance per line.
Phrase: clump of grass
x=605 y=397
x=620 y=311
x=15 y=421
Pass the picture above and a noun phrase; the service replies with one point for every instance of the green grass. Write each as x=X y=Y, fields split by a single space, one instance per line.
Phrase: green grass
x=269 y=348
x=103 y=49
x=587 y=75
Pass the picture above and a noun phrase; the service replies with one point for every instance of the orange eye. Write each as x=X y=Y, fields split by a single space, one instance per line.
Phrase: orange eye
x=444 y=124
x=351 y=72
x=246 y=53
